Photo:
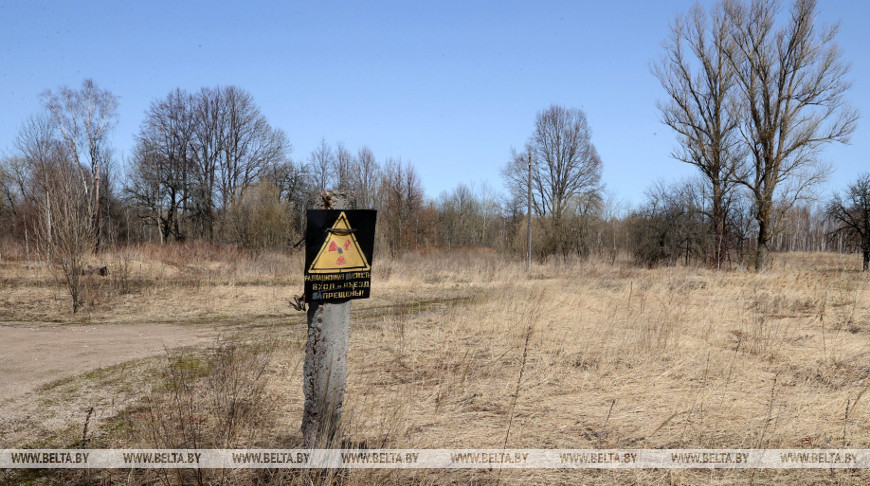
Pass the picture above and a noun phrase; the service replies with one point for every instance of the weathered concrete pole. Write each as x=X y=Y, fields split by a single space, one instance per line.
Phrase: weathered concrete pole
x=325 y=353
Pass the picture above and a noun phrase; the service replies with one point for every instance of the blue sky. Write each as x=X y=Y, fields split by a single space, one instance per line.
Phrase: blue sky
x=449 y=86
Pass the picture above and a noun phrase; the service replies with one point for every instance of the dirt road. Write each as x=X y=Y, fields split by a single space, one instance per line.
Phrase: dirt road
x=32 y=355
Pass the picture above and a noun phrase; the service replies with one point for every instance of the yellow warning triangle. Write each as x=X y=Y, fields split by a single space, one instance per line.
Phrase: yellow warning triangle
x=340 y=252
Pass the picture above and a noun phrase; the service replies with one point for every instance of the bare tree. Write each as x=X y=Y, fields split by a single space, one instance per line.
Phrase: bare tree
x=145 y=192
x=365 y=174
x=8 y=199
x=852 y=212
x=37 y=140
x=791 y=81
x=322 y=164
x=459 y=219
x=40 y=149
x=566 y=168
x=207 y=144
x=60 y=189
x=66 y=224
x=84 y=118
x=469 y=216
x=231 y=146
x=13 y=193
x=294 y=185
x=702 y=108
x=250 y=143
x=344 y=163
x=669 y=227
x=402 y=203
x=162 y=164
x=197 y=154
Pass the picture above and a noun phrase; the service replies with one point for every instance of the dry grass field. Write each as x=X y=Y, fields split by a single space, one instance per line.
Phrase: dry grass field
x=610 y=356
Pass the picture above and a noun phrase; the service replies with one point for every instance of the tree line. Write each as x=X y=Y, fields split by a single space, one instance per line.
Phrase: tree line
x=752 y=92
x=209 y=166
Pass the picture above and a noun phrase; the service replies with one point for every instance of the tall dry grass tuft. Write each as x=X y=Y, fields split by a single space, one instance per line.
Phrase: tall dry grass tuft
x=121 y=268
x=217 y=398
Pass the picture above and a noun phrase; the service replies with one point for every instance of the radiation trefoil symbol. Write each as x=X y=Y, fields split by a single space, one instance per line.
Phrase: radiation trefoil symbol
x=340 y=251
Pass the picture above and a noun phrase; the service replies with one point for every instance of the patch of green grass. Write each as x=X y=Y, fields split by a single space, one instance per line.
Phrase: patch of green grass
x=108 y=375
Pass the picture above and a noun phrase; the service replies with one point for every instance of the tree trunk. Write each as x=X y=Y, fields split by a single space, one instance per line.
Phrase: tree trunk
x=718 y=227
x=866 y=260
x=762 y=255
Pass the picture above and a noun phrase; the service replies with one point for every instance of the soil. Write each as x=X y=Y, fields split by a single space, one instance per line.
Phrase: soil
x=32 y=355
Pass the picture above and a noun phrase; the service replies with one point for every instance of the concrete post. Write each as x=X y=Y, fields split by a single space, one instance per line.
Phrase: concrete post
x=325 y=354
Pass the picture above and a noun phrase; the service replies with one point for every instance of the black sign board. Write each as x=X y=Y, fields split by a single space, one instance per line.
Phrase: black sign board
x=338 y=254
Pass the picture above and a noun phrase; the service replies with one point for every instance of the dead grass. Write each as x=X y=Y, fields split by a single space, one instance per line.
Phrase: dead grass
x=615 y=356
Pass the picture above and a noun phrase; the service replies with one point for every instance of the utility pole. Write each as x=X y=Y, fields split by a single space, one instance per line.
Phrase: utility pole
x=529 y=221
x=325 y=369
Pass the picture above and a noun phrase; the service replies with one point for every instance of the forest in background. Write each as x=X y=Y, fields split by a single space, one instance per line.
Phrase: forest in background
x=208 y=166
x=752 y=95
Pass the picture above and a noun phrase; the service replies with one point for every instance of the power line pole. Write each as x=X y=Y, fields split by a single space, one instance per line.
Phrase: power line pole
x=529 y=220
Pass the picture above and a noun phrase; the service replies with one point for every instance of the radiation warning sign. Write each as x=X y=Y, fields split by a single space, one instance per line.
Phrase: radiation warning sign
x=338 y=254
